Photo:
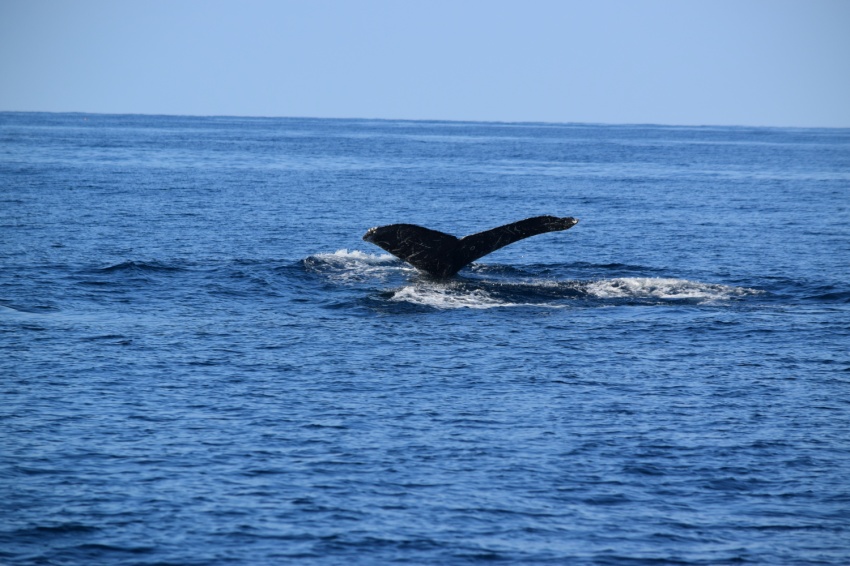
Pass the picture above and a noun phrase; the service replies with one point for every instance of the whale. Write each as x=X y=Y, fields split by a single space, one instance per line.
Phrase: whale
x=442 y=255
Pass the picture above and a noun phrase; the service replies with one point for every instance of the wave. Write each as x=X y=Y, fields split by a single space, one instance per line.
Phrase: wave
x=833 y=296
x=138 y=266
x=13 y=310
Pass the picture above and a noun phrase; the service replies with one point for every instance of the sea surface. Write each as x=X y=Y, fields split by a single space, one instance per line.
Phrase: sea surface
x=202 y=362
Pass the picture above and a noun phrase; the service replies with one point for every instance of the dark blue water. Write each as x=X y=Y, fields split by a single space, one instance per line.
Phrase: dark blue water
x=201 y=362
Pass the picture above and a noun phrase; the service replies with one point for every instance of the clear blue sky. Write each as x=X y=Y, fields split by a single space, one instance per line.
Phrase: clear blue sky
x=745 y=62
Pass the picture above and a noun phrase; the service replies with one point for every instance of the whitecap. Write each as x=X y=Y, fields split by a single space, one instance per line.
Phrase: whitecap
x=354 y=265
x=447 y=298
x=663 y=288
x=345 y=257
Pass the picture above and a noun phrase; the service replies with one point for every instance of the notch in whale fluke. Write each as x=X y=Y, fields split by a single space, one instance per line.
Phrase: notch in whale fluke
x=442 y=255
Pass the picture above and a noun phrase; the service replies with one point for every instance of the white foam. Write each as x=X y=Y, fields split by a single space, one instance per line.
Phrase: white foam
x=447 y=298
x=355 y=256
x=354 y=265
x=663 y=288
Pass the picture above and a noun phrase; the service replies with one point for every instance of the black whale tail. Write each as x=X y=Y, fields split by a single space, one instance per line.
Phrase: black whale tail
x=442 y=255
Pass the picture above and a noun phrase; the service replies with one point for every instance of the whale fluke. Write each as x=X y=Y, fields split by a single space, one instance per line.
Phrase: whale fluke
x=442 y=255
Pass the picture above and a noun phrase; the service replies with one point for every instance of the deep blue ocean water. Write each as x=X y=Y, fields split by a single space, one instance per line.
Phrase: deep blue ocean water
x=202 y=363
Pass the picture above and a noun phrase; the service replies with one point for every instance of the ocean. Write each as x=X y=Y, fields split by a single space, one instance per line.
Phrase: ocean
x=202 y=362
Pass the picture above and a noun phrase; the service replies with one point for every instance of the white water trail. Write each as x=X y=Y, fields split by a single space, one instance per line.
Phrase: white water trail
x=448 y=298
x=663 y=288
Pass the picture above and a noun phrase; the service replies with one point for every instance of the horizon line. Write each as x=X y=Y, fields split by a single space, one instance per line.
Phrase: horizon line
x=435 y=120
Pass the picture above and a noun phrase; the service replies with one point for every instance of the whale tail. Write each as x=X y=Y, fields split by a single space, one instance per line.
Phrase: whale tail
x=442 y=255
